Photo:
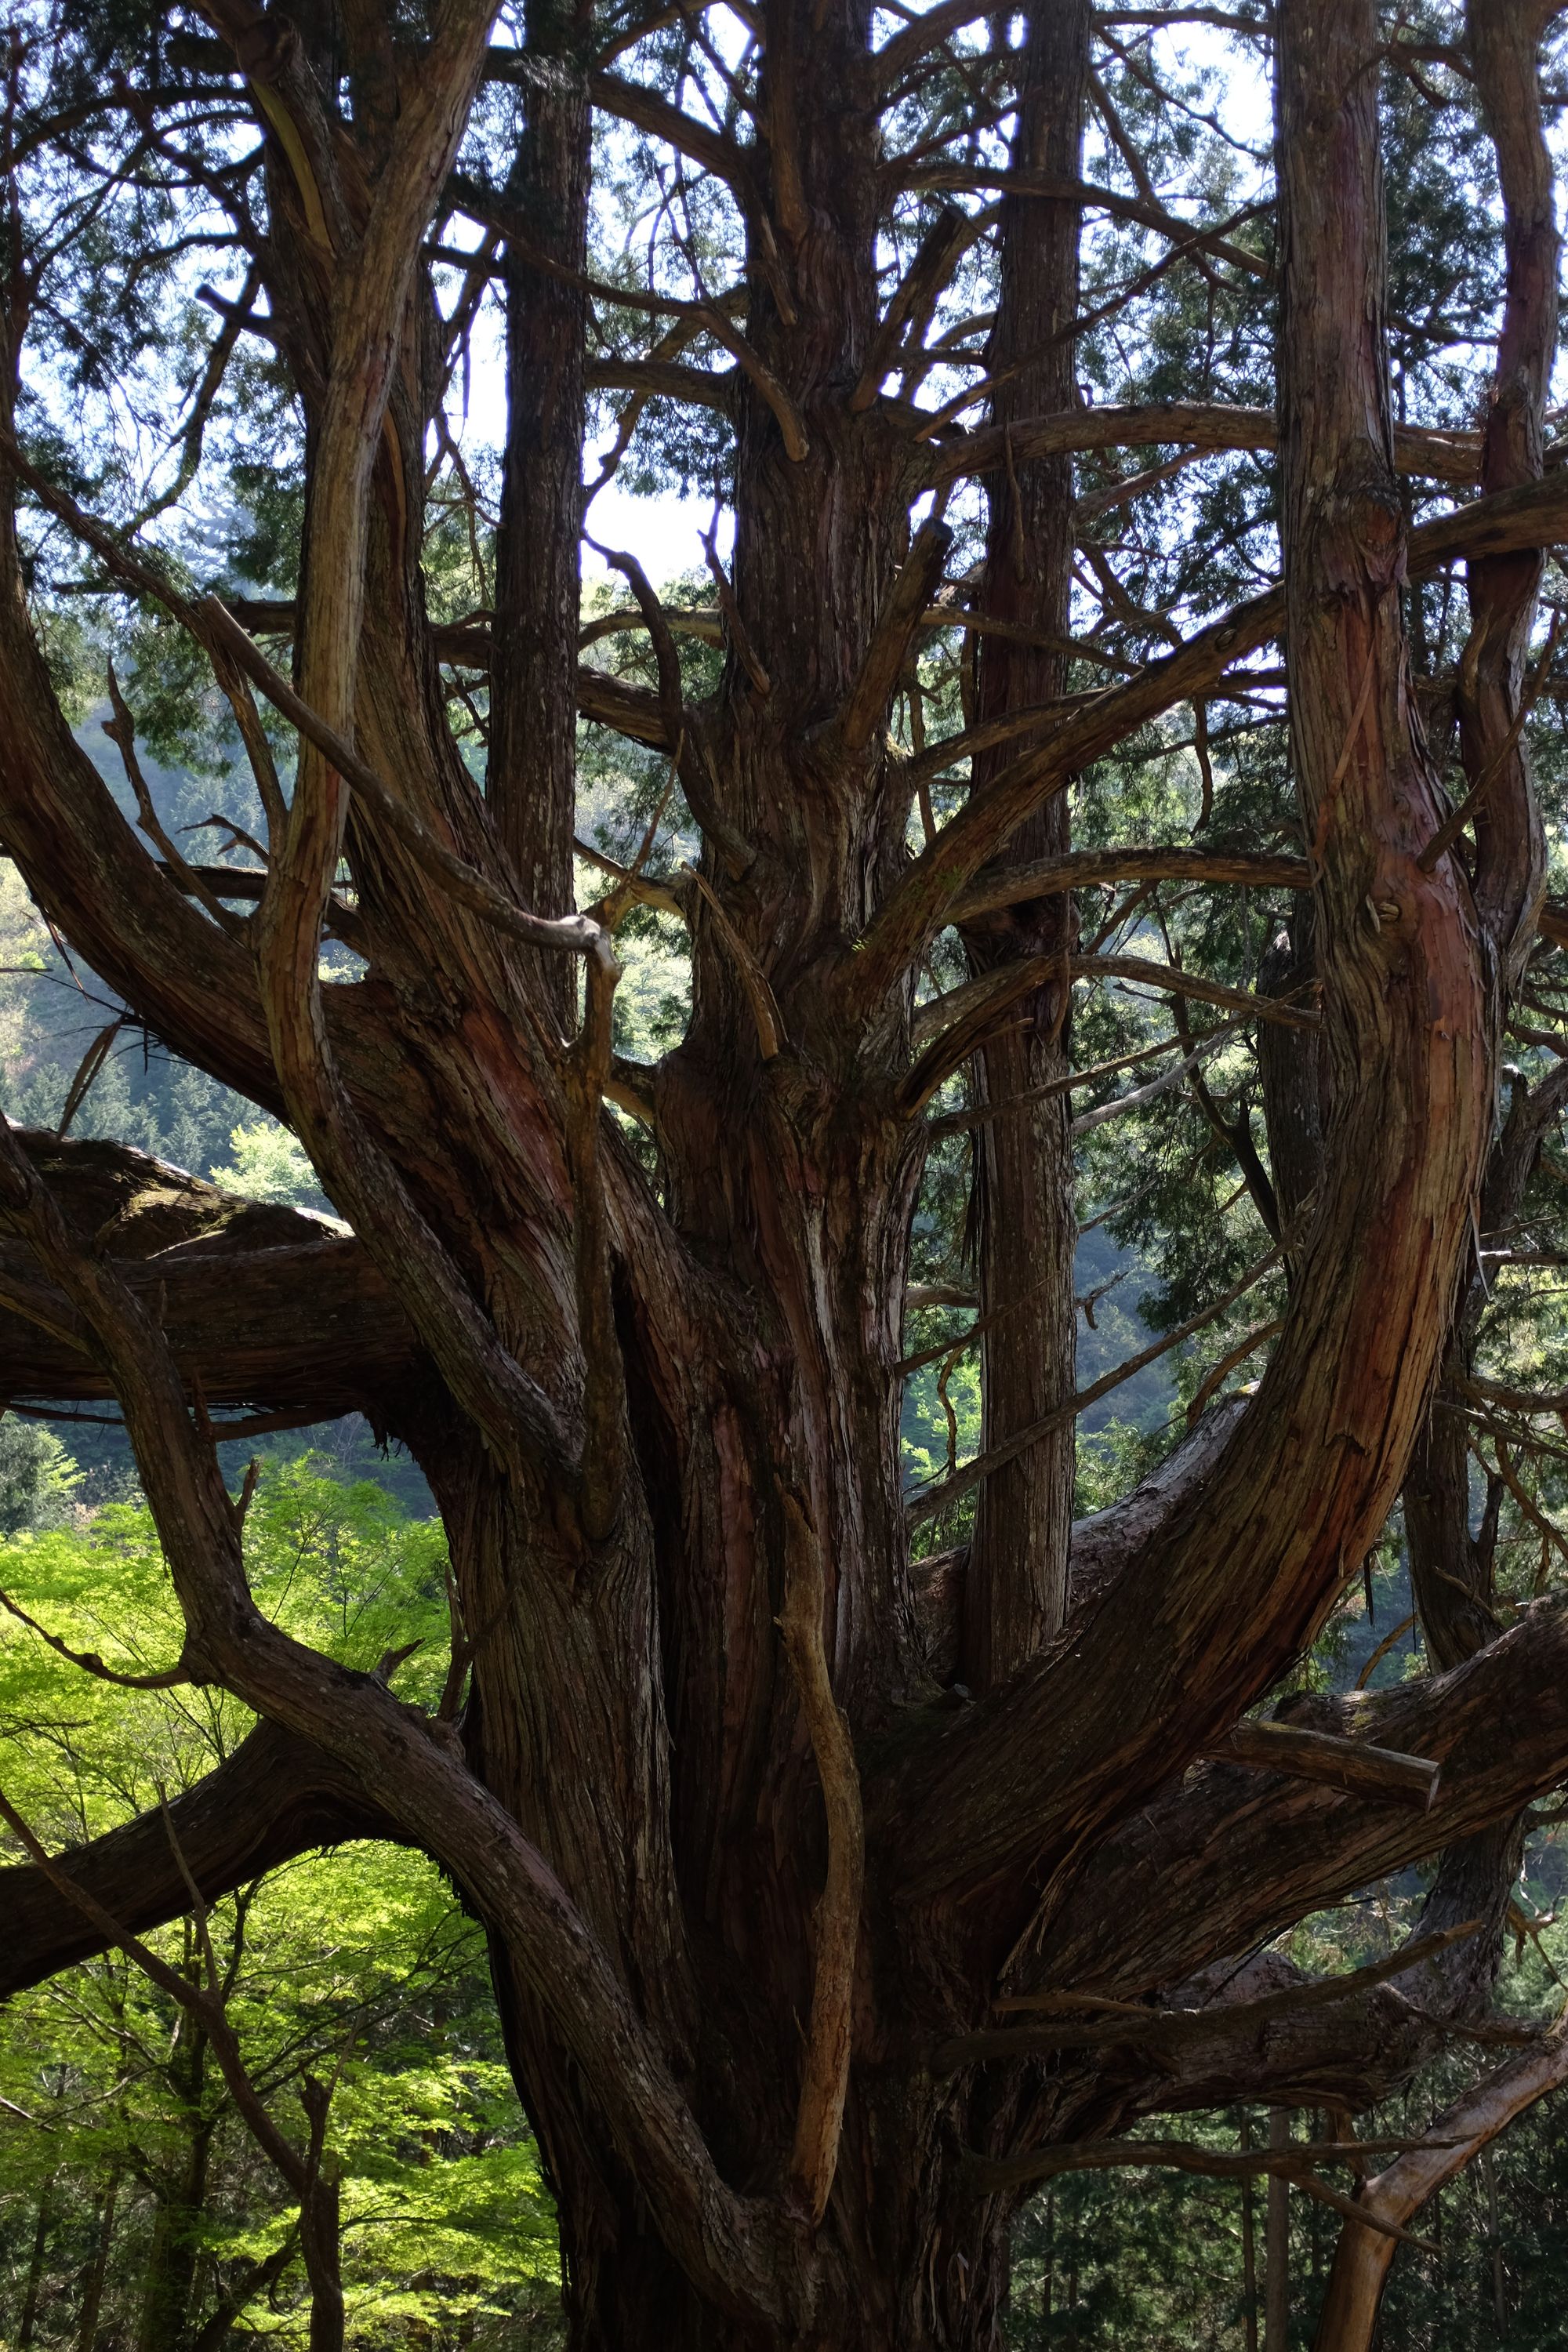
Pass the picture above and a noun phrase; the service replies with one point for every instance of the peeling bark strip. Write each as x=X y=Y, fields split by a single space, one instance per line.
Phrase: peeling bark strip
x=767 y=1829
x=821 y=2115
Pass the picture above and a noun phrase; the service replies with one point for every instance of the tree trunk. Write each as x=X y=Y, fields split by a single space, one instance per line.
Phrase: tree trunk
x=169 y=2283
x=1015 y=1588
x=530 y=770
x=754 y=1884
x=1248 y=2251
x=33 y=2288
x=97 y=2269
x=1277 y=2244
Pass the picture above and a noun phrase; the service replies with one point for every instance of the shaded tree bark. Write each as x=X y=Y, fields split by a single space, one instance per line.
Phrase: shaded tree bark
x=530 y=770
x=649 y=1410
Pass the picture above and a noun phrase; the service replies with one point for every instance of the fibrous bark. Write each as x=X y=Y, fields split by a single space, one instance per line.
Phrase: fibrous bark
x=660 y=1418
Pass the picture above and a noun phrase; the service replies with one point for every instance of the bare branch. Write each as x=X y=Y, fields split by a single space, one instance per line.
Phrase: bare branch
x=89 y=1661
x=866 y=704
x=992 y=2174
x=1365 y=1771
x=927 y=1502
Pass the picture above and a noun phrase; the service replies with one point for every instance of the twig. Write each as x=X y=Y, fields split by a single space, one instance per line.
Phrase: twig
x=1142 y=2023
x=88 y=1660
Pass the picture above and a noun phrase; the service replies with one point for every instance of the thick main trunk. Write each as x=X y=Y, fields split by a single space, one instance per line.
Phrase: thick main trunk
x=908 y=2261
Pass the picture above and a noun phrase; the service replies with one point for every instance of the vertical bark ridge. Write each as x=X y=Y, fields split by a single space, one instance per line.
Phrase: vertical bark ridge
x=531 y=776
x=1016 y=1589
x=1510 y=857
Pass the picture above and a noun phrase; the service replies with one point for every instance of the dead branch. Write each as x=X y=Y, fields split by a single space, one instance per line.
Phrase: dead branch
x=89 y=1661
x=1360 y=1769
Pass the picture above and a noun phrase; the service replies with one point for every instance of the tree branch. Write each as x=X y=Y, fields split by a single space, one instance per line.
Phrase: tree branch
x=261 y=1304
x=1535 y=515
x=927 y=1502
x=275 y=1797
x=733 y=2247
x=1198 y=425
x=866 y=704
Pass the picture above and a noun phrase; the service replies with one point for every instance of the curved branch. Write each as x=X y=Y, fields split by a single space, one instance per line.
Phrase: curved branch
x=1367 y=2240
x=1535 y=515
x=645 y=109
x=1243 y=1854
x=1217 y=1610
x=276 y=1797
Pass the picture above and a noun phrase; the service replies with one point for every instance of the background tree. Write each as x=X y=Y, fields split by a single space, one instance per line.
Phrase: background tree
x=763 y=1814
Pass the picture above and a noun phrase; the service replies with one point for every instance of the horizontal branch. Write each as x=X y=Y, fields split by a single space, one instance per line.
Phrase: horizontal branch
x=261 y=1304
x=276 y=1797
x=991 y=2174
x=1198 y=424
x=494 y=212
x=666 y=380
x=1081 y=869
x=1337 y=1763
x=1116 y=2021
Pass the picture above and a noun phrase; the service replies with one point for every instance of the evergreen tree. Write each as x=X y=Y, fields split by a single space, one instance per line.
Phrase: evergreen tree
x=1103 y=782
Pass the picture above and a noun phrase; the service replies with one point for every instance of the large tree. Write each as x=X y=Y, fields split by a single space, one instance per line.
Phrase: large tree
x=762 y=1816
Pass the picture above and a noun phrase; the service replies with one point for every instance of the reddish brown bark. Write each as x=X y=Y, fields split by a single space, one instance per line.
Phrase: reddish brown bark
x=1015 y=1592
x=634 y=1405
